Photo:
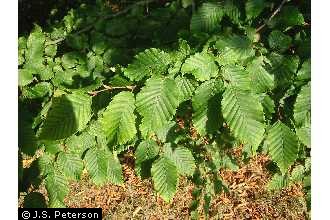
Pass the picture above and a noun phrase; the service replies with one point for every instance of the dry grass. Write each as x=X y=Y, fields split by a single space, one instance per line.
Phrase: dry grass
x=247 y=197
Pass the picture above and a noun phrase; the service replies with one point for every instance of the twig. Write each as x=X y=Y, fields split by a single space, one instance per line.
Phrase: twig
x=90 y=26
x=272 y=16
x=110 y=88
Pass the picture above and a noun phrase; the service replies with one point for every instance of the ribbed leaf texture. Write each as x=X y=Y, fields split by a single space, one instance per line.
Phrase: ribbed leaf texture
x=68 y=114
x=253 y=8
x=201 y=65
x=25 y=77
x=165 y=177
x=234 y=49
x=186 y=87
x=35 y=51
x=147 y=63
x=57 y=187
x=97 y=165
x=71 y=165
x=118 y=120
x=302 y=107
x=207 y=18
x=278 y=182
x=283 y=145
x=157 y=102
x=146 y=150
x=262 y=81
x=304 y=135
x=237 y=77
x=46 y=163
x=283 y=68
x=279 y=41
x=297 y=173
x=183 y=160
x=114 y=173
x=206 y=107
x=244 y=114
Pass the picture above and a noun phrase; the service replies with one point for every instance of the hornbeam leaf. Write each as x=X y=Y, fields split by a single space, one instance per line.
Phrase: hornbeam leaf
x=97 y=165
x=157 y=102
x=71 y=164
x=244 y=114
x=57 y=187
x=165 y=177
x=183 y=160
x=283 y=145
x=201 y=65
x=302 y=107
x=206 y=107
x=207 y=18
x=118 y=120
x=147 y=63
x=68 y=114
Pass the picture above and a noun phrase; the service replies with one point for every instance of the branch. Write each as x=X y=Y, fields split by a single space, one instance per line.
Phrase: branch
x=272 y=16
x=110 y=88
x=90 y=26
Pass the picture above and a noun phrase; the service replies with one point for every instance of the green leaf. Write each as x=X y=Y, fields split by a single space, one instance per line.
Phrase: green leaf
x=46 y=163
x=68 y=114
x=186 y=87
x=183 y=160
x=206 y=107
x=118 y=120
x=229 y=163
x=268 y=105
x=283 y=68
x=297 y=174
x=38 y=91
x=207 y=18
x=236 y=76
x=234 y=49
x=97 y=165
x=79 y=144
x=165 y=177
x=283 y=145
x=71 y=164
x=51 y=50
x=27 y=140
x=232 y=11
x=148 y=63
x=288 y=16
x=244 y=114
x=157 y=102
x=277 y=183
x=72 y=59
x=304 y=135
x=114 y=173
x=57 y=187
x=302 y=107
x=146 y=150
x=253 y=8
x=25 y=77
x=261 y=80
x=279 y=41
x=21 y=50
x=187 y=3
x=35 y=50
x=304 y=73
x=201 y=65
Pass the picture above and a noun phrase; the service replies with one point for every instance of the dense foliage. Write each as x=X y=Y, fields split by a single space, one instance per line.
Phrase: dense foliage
x=179 y=83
